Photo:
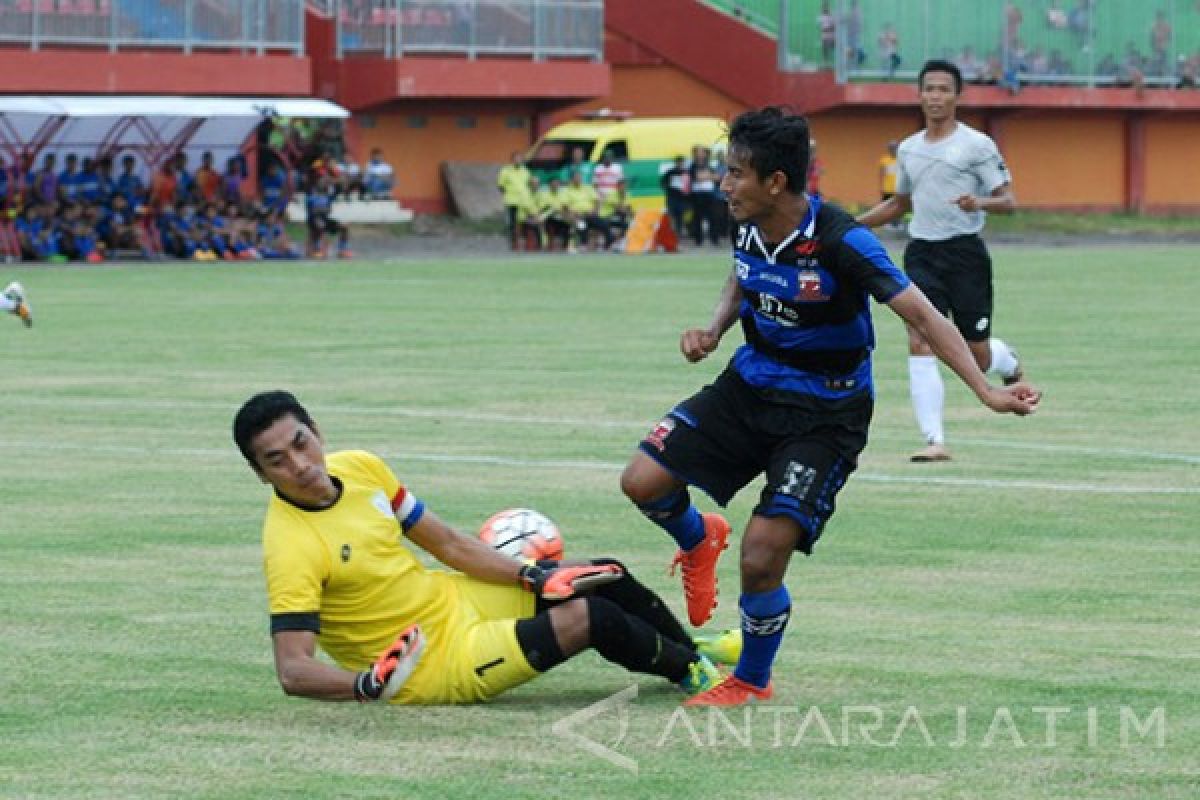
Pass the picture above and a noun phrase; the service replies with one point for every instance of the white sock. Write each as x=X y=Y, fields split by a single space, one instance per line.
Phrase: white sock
x=1004 y=363
x=928 y=396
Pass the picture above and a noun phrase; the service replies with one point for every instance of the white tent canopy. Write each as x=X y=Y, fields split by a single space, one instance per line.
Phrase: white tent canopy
x=149 y=127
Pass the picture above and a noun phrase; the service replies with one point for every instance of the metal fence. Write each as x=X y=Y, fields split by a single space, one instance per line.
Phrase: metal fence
x=536 y=28
x=256 y=25
x=1007 y=42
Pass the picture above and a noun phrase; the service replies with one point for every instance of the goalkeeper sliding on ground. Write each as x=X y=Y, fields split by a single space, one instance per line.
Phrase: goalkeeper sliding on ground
x=341 y=575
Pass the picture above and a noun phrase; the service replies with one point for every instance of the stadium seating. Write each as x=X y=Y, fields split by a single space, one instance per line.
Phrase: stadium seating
x=950 y=26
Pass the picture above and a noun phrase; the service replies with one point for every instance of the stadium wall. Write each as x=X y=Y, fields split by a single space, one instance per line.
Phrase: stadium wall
x=417 y=136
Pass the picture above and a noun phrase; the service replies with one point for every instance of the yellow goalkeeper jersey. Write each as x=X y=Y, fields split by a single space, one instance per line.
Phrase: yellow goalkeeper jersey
x=346 y=573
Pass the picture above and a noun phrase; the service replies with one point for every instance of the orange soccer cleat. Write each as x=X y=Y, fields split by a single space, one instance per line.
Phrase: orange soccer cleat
x=700 y=569
x=731 y=692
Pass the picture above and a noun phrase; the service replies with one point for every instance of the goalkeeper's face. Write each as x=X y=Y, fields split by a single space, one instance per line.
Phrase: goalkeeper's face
x=290 y=456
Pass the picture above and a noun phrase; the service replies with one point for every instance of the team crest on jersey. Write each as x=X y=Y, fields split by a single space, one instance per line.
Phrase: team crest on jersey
x=809 y=287
x=658 y=436
x=345 y=553
x=381 y=502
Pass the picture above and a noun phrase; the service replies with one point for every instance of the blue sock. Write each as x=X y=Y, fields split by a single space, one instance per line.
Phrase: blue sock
x=764 y=616
x=676 y=515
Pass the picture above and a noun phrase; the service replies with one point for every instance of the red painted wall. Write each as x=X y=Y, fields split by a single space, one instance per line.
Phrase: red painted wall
x=153 y=72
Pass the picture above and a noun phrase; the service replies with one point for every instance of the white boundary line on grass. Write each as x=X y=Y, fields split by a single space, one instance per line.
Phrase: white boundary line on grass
x=609 y=466
x=526 y=419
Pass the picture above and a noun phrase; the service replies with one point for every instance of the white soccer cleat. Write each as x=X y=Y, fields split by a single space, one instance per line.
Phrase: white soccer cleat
x=15 y=293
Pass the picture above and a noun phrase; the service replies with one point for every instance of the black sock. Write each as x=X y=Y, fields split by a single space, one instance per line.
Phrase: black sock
x=631 y=642
x=639 y=601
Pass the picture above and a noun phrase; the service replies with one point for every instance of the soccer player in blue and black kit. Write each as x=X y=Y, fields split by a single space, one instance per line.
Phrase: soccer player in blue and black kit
x=795 y=401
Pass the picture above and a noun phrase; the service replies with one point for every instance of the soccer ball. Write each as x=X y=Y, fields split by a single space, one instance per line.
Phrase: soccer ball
x=522 y=533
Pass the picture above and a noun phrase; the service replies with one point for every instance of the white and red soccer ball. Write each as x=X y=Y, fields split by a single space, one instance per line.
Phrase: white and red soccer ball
x=522 y=533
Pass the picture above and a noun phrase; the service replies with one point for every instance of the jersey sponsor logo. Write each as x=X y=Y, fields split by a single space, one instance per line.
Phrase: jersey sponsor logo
x=657 y=437
x=798 y=480
x=809 y=287
x=381 y=502
x=742 y=269
x=345 y=553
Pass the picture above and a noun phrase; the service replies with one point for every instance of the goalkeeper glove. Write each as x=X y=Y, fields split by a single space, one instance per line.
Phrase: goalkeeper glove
x=391 y=669
x=559 y=583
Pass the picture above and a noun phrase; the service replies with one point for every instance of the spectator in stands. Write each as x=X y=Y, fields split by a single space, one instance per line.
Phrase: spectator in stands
x=674 y=182
x=1080 y=22
x=271 y=236
x=208 y=180
x=44 y=183
x=852 y=23
x=889 y=50
x=351 y=184
x=606 y=175
x=379 y=178
x=164 y=190
x=616 y=211
x=513 y=183
x=274 y=189
x=185 y=182
x=1012 y=24
x=68 y=179
x=319 y=208
x=827 y=25
x=1160 y=44
x=972 y=70
x=702 y=197
x=1056 y=17
x=130 y=184
x=76 y=239
x=232 y=179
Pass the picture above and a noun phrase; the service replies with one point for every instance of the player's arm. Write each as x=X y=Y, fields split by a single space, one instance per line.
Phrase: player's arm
x=948 y=345
x=302 y=675
x=889 y=210
x=696 y=343
x=466 y=554
x=1000 y=201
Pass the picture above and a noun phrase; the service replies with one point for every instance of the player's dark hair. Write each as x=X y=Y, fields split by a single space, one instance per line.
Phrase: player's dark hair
x=261 y=412
x=774 y=140
x=941 y=65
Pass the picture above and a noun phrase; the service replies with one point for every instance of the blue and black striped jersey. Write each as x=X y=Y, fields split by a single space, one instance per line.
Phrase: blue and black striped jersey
x=805 y=310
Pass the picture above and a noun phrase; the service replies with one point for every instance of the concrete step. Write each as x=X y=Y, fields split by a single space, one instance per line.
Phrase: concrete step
x=358 y=212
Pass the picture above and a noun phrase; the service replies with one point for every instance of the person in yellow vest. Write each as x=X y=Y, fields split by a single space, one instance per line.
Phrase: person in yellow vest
x=551 y=204
x=616 y=210
x=583 y=207
x=530 y=224
x=888 y=169
x=513 y=182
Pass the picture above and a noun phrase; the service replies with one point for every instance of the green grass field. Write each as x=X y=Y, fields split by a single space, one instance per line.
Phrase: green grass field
x=1053 y=565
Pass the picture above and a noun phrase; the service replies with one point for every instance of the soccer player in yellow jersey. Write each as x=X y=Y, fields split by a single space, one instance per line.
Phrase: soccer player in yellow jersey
x=338 y=552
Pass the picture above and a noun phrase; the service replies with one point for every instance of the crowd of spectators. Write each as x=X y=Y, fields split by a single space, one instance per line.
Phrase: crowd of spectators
x=91 y=210
x=1059 y=49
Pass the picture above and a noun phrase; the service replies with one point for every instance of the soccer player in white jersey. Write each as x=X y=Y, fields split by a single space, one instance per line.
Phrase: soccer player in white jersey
x=13 y=300
x=950 y=176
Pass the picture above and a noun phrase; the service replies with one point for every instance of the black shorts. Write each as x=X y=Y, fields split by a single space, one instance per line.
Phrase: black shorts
x=729 y=433
x=956 y=276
